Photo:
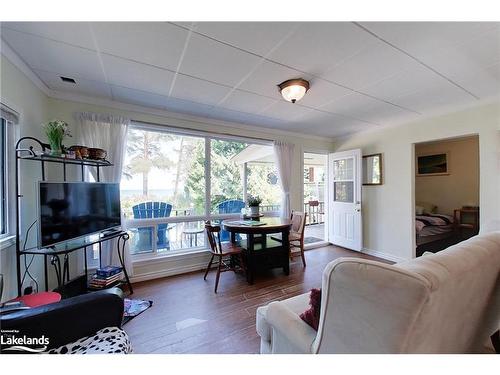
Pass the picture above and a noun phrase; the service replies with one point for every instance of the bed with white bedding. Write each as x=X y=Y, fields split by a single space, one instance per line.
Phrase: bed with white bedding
x=433 y=227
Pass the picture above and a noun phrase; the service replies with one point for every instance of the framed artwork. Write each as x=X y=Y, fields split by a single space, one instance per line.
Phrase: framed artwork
x=436 y=164
x=372 y=169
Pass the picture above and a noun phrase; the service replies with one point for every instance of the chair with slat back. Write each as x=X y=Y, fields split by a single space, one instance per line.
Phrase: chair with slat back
x=296 y=236
x=224 y=251
x=313 y=212
x=149 y=210
x=231 y=206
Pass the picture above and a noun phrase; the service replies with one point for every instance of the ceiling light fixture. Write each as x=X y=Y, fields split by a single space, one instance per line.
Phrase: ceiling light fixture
x=294 y=89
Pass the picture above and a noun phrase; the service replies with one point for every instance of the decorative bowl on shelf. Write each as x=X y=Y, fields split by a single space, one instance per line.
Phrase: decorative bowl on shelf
x=97 y=154
x=81 y=152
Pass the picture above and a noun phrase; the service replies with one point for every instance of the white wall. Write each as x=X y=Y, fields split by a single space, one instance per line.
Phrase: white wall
x=388 y=210
x=20 y=94
x=458 y=188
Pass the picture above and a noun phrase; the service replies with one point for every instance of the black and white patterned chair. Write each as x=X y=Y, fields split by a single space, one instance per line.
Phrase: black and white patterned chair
x=89 y=323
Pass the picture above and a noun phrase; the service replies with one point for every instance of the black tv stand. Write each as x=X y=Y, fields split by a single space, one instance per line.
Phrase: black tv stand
x=109 y=232
x=33 y=150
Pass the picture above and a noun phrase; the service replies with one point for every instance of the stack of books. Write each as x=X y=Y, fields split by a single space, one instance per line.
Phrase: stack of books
x=104 y=277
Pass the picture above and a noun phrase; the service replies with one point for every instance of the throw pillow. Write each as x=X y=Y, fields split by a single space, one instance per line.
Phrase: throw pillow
x=311 y=316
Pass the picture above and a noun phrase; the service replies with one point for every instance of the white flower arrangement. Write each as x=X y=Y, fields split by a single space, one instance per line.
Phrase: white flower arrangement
x=55 y=131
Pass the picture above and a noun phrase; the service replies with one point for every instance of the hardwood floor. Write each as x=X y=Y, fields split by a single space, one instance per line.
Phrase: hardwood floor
x=187 y=317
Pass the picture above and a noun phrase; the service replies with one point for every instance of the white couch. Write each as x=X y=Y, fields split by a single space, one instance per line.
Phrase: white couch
x=447 y=302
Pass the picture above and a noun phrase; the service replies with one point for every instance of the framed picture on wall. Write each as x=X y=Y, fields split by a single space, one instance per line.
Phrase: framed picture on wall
x=372 y=169
x=435 y=164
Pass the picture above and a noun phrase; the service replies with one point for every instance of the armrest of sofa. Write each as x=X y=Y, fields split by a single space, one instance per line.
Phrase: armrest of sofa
x=70 y=319
x=290 y=327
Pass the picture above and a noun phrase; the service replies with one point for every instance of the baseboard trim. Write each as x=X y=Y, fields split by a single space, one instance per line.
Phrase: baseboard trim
x=383 y=255
x=168 y=272
x=315 y=245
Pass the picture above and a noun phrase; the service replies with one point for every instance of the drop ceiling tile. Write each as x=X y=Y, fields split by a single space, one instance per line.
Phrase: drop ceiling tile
x=315 y=47
x=246 y=102
x=156 y=43
x=121 y=72
x=188 y=107
x=364 y=108
x=76 y=33
x=60 y=58
x=484 y=83
x=82 y=86
x=256 y=37
x=403 y=83
x=467 y=59
x=320 y=123
x=138 y=97
x=372 y=64
x=216 y=62
x=286 y=111
x=247 y=118
x=187 y=25
x=322 y=92
x=265 y=79
x=423 y=38
x=438 y=97
x=198 y=90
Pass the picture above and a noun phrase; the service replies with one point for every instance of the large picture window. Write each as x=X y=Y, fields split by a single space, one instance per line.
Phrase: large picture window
x=173 y=182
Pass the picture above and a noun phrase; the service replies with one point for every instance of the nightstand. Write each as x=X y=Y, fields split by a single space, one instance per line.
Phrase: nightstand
x=466 y=220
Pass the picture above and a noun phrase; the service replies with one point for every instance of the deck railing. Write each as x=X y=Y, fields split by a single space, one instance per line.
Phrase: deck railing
x=315 y=211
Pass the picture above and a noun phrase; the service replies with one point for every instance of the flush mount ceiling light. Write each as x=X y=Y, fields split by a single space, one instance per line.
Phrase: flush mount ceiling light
x=293 y=89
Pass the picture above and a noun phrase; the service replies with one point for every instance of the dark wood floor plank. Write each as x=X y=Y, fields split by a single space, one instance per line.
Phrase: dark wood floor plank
x=188 y=317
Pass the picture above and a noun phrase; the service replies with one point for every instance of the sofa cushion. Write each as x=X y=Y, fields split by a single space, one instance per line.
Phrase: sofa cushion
x=110 y=340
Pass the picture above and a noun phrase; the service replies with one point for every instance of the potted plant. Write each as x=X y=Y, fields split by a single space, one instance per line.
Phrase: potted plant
x=253 y=203
x=56 y=130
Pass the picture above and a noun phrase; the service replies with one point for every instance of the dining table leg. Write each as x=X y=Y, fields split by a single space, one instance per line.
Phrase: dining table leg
x=250 y=263
x=286 y=251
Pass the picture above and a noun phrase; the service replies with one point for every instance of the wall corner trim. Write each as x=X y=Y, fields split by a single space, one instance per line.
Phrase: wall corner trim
x=19 y=63
x=380 y=254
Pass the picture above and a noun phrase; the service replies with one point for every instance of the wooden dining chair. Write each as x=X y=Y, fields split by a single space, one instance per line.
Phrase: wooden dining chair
x=296 y=236
x=230 y=256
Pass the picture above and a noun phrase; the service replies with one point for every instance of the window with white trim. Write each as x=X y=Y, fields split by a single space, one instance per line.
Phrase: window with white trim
x=9 y=120
x=3 y=177
x=174 y=180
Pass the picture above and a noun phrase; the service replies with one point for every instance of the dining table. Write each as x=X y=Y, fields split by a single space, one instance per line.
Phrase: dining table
x=260 y=251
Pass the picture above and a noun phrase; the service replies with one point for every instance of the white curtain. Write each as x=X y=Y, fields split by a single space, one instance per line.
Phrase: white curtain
x=284 y=158
x=109 y=133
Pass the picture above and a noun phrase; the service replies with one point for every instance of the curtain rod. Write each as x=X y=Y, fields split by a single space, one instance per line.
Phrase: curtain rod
x=200 y=132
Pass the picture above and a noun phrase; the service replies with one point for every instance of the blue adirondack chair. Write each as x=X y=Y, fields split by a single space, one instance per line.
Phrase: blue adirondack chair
x=232 y=206
x=148 y=210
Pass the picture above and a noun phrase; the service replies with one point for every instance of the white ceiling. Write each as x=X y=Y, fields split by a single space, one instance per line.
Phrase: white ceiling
x=362 y=75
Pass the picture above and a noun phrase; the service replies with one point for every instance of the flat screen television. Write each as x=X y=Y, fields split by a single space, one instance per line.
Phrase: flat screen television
x=68 y=210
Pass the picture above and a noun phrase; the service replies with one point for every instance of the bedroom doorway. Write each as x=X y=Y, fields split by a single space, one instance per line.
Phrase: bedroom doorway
x=446 y=192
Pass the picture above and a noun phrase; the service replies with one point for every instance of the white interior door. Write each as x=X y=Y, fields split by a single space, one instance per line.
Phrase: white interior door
x=345 y=224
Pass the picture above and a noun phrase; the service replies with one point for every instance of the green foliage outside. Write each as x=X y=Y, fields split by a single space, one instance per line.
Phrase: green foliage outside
x=184 y=158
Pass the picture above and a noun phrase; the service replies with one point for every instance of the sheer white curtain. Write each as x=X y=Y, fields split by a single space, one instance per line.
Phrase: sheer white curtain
x=284 y=157
x=109 y=133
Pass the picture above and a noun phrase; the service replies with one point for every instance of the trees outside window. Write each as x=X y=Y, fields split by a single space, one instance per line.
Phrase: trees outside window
x=171 y=168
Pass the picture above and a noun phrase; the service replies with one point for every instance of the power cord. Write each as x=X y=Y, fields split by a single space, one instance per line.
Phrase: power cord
x=26 y=264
